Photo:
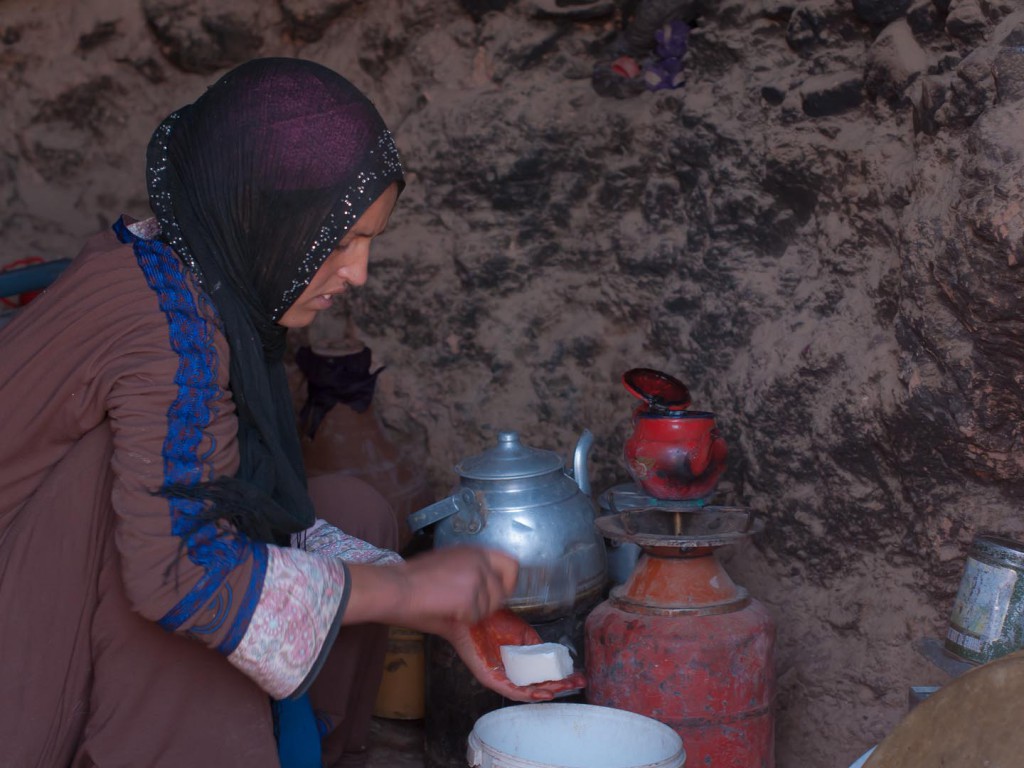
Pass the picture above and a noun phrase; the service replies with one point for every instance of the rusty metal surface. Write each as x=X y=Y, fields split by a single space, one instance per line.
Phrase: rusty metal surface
x=709 y=678
x=620 y=600
x=682 y=643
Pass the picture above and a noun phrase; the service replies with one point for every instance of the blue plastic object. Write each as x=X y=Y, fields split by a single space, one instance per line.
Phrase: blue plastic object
x=298 y=740
x=31 y=278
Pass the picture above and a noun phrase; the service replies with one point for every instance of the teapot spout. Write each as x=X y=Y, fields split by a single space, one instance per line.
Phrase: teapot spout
x=580 y=458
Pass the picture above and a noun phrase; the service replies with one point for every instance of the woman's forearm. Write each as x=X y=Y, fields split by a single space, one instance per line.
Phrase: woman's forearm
x=433 y=590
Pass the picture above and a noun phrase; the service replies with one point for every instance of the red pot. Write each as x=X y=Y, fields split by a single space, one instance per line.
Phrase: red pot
x=659 y=391
x=672 y=453
x=675 y=455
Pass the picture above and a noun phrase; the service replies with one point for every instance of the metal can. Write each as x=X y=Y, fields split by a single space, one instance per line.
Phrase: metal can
x=401 y=694
x=988 y=614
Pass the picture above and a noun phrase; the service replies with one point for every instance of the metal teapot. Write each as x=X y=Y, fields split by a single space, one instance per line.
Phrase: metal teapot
x=521 y=500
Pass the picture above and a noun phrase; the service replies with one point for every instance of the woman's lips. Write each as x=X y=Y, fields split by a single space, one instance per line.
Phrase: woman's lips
x=324 y=301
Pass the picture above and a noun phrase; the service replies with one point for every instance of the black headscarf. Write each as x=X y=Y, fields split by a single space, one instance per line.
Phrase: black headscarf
x=253 y=186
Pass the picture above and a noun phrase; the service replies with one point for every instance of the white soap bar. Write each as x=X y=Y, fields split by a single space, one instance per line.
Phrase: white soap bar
x=529 y=664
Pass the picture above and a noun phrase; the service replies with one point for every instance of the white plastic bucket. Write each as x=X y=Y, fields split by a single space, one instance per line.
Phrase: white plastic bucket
x=572 y=736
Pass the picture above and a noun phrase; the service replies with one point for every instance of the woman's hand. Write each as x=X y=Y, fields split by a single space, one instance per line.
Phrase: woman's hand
x=435 y=589
x=457 y=593
x=479 y=647
x=462 y=584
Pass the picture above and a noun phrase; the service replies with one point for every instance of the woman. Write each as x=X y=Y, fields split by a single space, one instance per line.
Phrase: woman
x=165 y=572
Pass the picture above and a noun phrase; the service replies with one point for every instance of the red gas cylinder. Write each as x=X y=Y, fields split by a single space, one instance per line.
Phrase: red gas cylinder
x=682 y=643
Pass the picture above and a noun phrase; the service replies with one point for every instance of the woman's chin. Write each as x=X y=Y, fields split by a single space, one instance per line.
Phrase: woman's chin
x=297 y=319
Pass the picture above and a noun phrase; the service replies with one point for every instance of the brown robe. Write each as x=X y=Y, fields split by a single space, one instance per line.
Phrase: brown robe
x=90 y=382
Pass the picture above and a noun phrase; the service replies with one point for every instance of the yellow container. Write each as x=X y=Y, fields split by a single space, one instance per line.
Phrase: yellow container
x=401 y=695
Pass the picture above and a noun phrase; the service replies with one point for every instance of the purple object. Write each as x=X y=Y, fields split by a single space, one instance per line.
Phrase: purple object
x=666 y=70
x=671 y=40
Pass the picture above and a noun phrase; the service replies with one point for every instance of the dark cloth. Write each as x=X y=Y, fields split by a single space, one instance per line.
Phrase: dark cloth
x=253 y=186
x=331 y=380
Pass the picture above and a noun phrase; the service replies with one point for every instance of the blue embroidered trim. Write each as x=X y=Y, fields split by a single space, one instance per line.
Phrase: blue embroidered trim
x=209 y=548
x=220 y=606
x=249 y=600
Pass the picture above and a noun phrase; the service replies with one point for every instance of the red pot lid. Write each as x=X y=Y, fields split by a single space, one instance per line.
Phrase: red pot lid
x=660 y=391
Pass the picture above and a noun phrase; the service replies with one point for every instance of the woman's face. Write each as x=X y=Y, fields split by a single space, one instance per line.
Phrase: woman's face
x=346 y=265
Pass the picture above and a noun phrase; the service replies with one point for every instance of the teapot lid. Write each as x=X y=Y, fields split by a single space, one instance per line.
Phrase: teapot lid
x=509 y=460
x=660 y=391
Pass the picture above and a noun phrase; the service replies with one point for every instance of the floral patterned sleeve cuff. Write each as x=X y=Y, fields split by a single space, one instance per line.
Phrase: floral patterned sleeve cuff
x=327 y=541
x=295 y=622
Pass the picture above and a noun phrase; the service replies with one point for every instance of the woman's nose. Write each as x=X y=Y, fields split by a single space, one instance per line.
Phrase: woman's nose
x=355 y=272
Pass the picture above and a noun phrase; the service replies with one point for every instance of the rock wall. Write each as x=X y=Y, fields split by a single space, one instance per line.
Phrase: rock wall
x=820 y=233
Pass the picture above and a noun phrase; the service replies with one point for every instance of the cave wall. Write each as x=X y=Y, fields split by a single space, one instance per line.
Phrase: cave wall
x=820 y=233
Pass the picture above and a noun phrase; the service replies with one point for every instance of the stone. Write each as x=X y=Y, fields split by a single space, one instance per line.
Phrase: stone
x=1015 y=37
x=309 y=19
x=794 y=180
x=880 y=12
x=204 y=37
x=1008 y=69
x=803 y=32
x=925 y=19
x=779 y=10
x=928 y=98
x=825 y=95
x=958 y=98
x=966 y=21
x=894 y=60
x=579 y=10
x=773 y=95
x=972 y=90
x=103 y=32
x=479 y=8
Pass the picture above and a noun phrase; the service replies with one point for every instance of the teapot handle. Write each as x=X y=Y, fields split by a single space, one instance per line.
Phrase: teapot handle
x=462 y=501
x=580 y=472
